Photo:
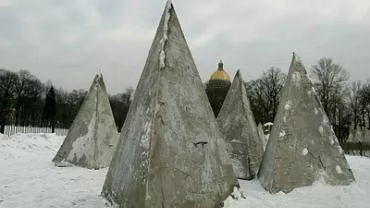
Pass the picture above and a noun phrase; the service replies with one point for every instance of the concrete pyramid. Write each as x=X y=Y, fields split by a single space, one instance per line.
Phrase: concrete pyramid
x=262 y=135
x=361 y=134
x=302 y=147
x=93 y=137
x=171 y=153
x=237 y=123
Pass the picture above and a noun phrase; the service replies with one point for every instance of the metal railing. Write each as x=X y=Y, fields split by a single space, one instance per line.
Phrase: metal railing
x=357 y=148
x=10 y=130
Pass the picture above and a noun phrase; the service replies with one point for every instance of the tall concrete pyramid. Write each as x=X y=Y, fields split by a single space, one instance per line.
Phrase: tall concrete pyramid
x=302 y=147
x=93 y=137
x=237 y=123
x=171 y=153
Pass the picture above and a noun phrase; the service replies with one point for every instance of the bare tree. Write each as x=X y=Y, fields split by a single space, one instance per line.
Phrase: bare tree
x=264 y=94
x=120 y=104
x=67 y=105
x=365 y=102
x=329 y=79
x=8 y=83
x=23 y=102
x=354 y=101
x=29 y=103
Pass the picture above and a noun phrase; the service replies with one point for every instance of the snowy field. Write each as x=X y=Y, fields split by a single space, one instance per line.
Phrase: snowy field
x=28 y=179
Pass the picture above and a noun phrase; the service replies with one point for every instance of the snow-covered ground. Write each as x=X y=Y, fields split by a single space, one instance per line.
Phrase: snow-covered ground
x=28 y=179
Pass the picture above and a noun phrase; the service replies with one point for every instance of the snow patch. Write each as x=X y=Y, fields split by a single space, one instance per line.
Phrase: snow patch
x=84 y=146
x=313 y=90
x=340 y=150
x=309 y=92
x=144 y=141
x=162 y=54
x=296 y=77
x=288 y=104
x=282 y=133
x=325 y=119
x=339 y=169
x=3 y=136
x=331 y=140
x=305 y=151
x=162 y=57
x=21 y=145
x=268 y=124
x=315 y=111
x=236 y=141
x=321 y=130
x=83 y=186
x=234 y=200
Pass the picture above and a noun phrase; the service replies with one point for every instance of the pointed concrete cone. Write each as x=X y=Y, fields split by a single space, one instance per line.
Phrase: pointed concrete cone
x=302 y=147
x=262 y=135
x=171 y=153
x=237 y=123
x=93 y=136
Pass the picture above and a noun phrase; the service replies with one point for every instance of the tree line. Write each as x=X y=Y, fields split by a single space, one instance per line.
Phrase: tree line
x=26 y=101
x=346 y=103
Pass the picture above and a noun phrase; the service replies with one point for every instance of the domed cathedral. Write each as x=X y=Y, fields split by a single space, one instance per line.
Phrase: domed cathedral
x=217 y=88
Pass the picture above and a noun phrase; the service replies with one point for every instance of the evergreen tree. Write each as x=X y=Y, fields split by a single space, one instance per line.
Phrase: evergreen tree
x=50 y=108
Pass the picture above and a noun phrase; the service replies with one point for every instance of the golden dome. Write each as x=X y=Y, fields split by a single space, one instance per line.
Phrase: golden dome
x=220 y=74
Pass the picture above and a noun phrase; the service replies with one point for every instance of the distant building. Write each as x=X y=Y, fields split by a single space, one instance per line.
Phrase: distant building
x=217 y=88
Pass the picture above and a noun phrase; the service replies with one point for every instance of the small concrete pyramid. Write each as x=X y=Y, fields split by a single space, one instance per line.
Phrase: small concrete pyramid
x=93 y=137
x=264 y=138
x=171 y=152
x=360 y=134
x=355 y=135
x=237 y=123
x=302 y=147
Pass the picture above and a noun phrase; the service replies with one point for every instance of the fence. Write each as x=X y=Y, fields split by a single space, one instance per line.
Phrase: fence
x=10 y=130
x=357 y=148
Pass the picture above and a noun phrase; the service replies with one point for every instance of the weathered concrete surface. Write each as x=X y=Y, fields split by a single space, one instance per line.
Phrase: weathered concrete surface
x=237 y=123
x=302 y=146
x=171 y=153
x=93 y=136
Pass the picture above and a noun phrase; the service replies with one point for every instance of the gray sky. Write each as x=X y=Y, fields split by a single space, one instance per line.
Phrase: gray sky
x=65 y=41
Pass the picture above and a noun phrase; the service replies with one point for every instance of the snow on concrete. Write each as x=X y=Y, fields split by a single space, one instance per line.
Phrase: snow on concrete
x=305 y=151
x=268 y=124
x=162 y=55
x=316 y=111
x=92 y=137
x=339 y=169
x=296 y=76
x=29 y=179
x=282 y=133
x=235 y=199
x=321 y=130
x=288 y=106
x=309 y=93
x=84 y=145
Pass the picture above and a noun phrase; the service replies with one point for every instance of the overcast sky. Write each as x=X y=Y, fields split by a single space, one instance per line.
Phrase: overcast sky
x=65 y=41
